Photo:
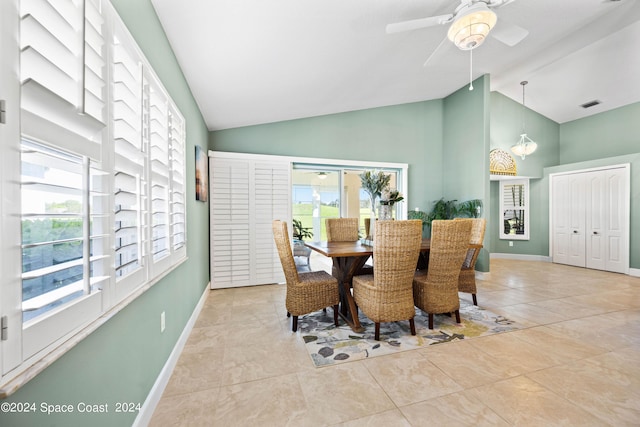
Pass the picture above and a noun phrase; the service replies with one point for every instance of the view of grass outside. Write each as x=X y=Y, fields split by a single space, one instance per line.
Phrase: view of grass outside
x=304 y=213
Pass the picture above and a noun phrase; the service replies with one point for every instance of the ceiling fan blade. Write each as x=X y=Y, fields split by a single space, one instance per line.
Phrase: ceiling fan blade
x=507 y=33
x=415 y=24
x=435 y=51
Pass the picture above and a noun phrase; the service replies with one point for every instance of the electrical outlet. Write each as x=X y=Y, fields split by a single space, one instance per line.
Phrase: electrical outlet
x=162 y=324
x=510 y=243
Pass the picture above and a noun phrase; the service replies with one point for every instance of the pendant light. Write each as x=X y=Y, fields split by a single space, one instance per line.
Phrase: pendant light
x=525 y=146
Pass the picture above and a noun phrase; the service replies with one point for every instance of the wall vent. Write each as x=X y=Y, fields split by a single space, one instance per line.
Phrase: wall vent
x=591 y=103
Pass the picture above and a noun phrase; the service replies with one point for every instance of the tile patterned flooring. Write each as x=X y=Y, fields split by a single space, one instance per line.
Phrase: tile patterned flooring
x=576 y=362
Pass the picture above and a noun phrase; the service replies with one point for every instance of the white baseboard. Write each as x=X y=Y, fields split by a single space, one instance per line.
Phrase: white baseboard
x=153 y=398
x=521 y=257
x=635 y=272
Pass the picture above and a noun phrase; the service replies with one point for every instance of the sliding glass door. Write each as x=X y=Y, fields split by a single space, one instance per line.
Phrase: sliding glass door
x=321 y=192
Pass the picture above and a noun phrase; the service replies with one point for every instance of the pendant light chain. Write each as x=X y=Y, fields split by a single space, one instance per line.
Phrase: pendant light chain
x=471 y=69
x=523 y=83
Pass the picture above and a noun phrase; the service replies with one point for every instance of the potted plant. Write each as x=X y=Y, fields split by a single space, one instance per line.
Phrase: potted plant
x=299 y=232
x=442 y=209
x=469 y=208
x=373 y=182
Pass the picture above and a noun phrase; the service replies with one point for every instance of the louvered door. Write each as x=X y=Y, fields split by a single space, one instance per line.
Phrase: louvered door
x=247 y=194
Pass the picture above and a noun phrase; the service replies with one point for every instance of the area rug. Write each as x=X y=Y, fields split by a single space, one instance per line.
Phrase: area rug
x=328 y=345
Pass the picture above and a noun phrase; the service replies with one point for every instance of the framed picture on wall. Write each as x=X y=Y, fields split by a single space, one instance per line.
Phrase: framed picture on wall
x=202 y=180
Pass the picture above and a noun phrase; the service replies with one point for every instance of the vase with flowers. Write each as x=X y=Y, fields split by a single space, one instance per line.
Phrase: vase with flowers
x=388 y=198
x=373 y=182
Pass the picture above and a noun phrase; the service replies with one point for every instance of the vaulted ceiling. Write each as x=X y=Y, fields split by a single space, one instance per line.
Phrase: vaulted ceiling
x=251 y=62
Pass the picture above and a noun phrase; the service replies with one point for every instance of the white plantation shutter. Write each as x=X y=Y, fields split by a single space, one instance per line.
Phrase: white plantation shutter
x=65 y=237
x=129 y=159
x=272 y=201
x=93 y=174
x=94 y=61
x=158 y=145
x=62 y=71
x=177 y=141
x=230 y=238
x=247 y=194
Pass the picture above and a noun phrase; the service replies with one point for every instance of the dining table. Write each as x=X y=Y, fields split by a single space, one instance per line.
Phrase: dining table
x=349 y=258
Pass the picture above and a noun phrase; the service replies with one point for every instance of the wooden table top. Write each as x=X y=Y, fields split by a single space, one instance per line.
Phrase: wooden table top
x=349 y=249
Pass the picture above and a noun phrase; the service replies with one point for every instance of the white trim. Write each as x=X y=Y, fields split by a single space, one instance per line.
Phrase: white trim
x=155 y=394
x=635 y=272
x=520 y=257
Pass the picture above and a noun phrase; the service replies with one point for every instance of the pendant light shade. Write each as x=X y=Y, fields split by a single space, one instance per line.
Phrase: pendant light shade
x=525 y=146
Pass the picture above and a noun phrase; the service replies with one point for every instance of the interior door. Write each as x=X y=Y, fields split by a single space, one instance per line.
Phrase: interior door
x=576 y=219
x=616 y=231
x=568 y=205
x=596 y=220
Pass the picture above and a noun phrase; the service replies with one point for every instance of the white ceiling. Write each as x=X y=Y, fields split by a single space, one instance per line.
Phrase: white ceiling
x=251 y=62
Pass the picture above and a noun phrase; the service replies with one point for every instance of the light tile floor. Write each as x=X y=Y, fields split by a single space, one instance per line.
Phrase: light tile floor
x=576 y=362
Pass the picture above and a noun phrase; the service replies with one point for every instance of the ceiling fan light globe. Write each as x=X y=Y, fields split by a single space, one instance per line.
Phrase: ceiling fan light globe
x=471 y=27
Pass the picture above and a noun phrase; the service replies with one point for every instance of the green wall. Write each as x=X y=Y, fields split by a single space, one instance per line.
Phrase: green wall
x=609 y=134
x=122 y=359
x=408 y=133
x=466 y=150
x=506 y=127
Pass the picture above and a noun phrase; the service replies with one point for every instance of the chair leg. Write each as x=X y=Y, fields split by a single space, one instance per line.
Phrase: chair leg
x=412 y=325
x=335 y=314
x=377 y=334
x=430 y=320
x=475 y=301
x=457 y=316
x=288 y=314
x=294 y=326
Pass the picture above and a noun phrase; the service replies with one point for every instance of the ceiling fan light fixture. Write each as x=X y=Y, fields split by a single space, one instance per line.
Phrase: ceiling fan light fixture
x=472 y=26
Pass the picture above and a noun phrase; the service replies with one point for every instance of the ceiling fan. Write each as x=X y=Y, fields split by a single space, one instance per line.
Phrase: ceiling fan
x=470 y=22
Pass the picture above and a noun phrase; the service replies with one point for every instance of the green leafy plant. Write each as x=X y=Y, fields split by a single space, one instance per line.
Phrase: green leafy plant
x=300 y=232
x=373 y=182
x=469 y=209
x=422 y=216
x=442 y=209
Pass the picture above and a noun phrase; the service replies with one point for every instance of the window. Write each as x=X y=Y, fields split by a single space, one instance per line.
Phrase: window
x=514 y=209
x=98 y=191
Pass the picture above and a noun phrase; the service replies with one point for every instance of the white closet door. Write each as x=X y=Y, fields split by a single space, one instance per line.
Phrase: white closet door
x=617 y=230
x=596 y=220
x=561 y=233
x=568 y=220
x=590 y=219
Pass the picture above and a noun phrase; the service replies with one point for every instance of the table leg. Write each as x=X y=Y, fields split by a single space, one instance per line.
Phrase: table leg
x=344 y=269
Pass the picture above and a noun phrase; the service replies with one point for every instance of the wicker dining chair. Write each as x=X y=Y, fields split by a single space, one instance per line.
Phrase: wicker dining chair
x=467 y=280
x=344 y=230
x=436 y=291
x=308 y=291
x=341 y=229
x=387 y=296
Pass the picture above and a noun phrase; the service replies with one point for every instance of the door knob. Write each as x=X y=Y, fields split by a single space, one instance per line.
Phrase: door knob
x=595 y=232
x=575 y=231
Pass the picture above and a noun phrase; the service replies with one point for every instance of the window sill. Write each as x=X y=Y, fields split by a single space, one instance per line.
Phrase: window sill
x=39 y=363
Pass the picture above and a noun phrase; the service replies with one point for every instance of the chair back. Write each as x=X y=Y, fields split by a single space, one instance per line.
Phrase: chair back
x=478 y=226
x=396 y=247
x=449 y=245
x=283 y=244
x=342 y=229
